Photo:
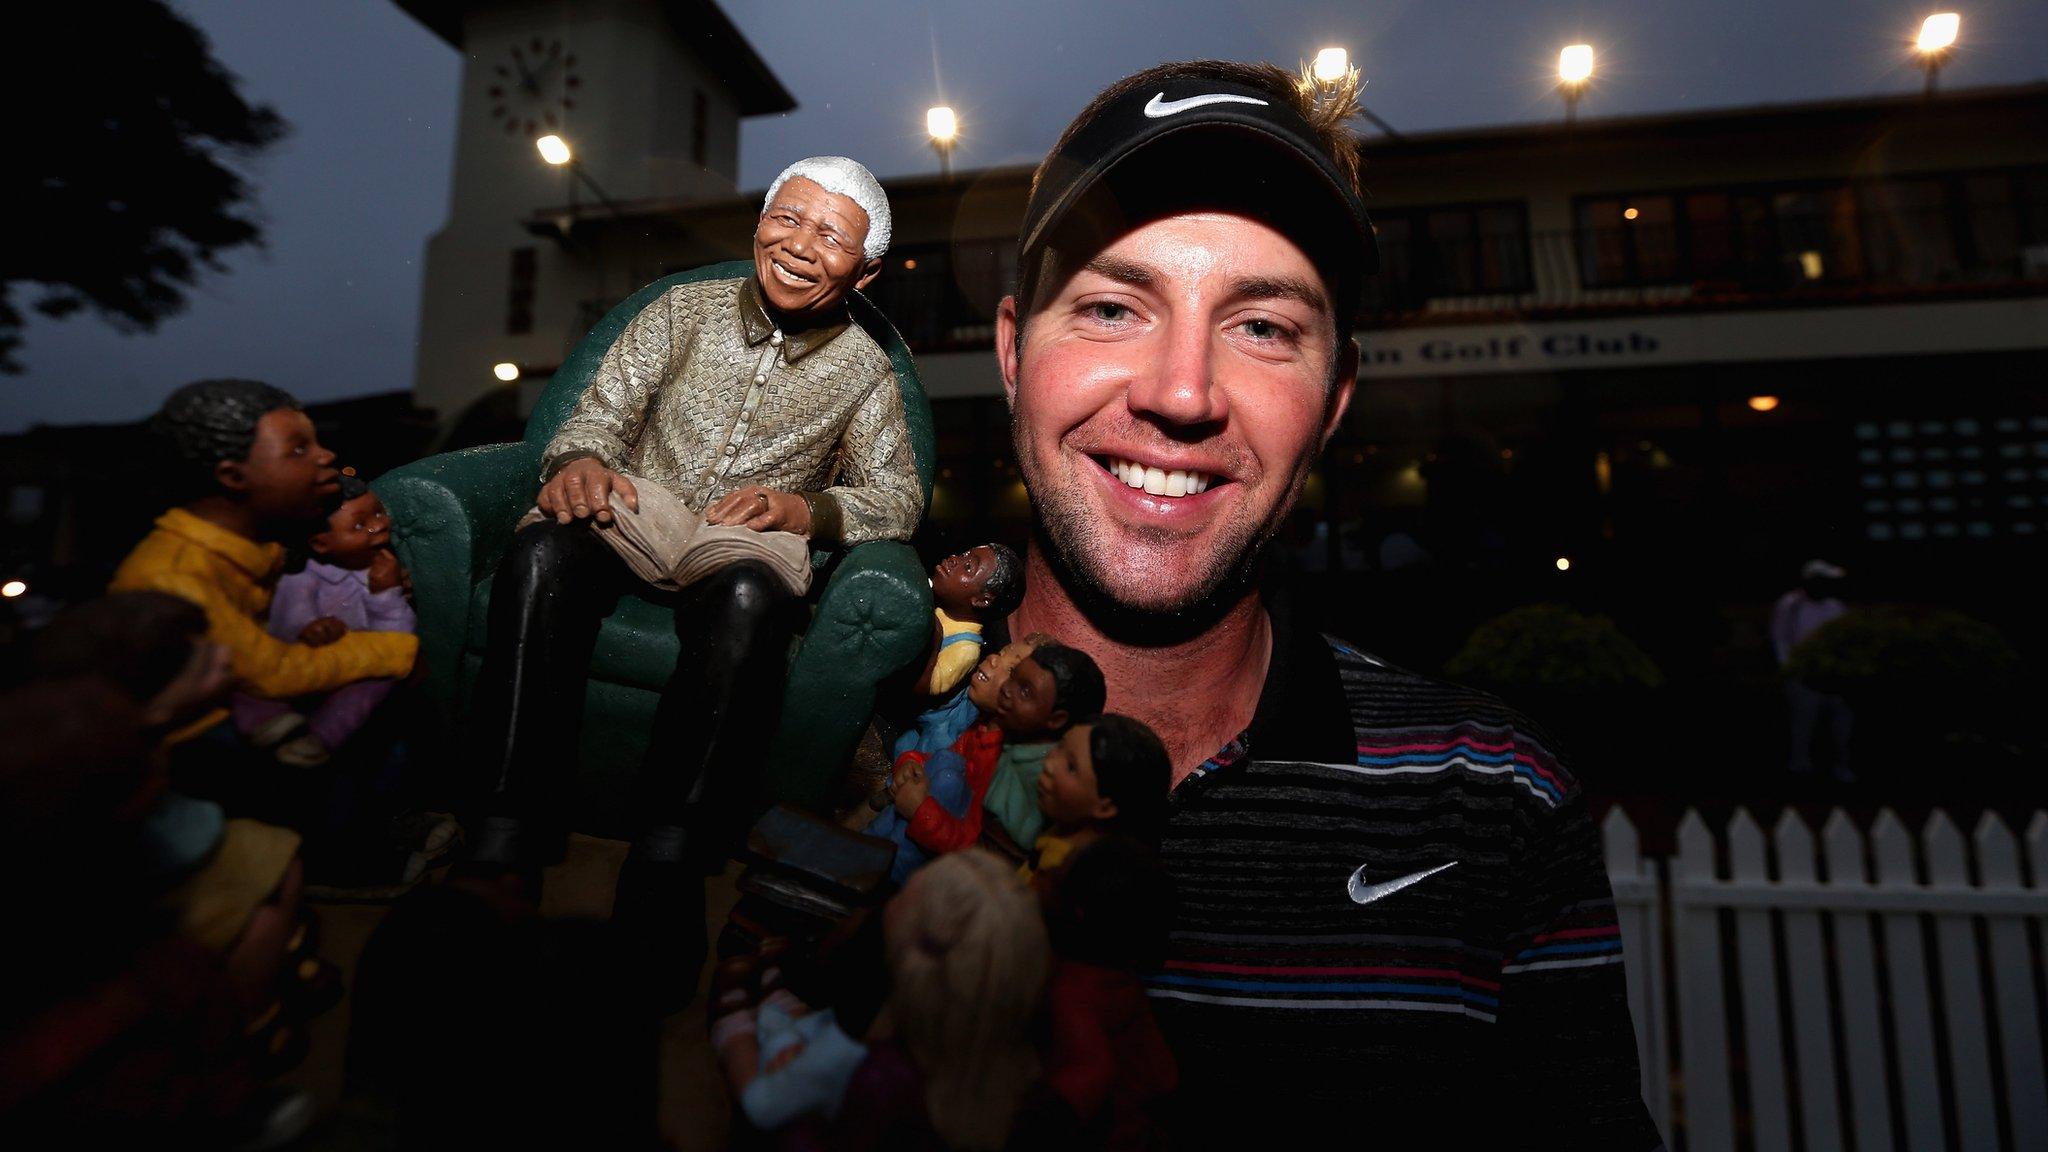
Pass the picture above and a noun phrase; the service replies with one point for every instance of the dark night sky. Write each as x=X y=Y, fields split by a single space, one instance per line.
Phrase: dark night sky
x=330 y=308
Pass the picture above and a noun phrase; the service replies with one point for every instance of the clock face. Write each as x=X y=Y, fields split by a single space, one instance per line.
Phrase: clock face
x=535 y=87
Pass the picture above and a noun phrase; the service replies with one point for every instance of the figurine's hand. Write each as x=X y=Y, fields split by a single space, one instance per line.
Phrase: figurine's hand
x=326 y=630
x=911 y=788
x=386 y=573
x=763 y=510
x=584 y=488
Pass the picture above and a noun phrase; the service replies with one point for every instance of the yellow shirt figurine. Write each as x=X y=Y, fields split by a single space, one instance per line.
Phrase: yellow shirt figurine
x=969 y=589
x=252 y=471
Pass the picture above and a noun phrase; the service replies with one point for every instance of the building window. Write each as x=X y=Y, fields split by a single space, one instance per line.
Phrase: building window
x=1456 y=250
x=519 y=299
x=2004 y=501
x=942 y=296
x=700 y=127
x=1628 y=240
x=1909 y=230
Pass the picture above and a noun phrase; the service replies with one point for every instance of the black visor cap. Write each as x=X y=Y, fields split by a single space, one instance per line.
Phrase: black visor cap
x=1183 y=109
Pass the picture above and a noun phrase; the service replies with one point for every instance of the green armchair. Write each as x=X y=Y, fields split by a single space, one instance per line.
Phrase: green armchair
x=453 y=516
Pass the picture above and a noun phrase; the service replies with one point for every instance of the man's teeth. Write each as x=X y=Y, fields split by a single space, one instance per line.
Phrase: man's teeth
x=1158 y=482
x=792 y=277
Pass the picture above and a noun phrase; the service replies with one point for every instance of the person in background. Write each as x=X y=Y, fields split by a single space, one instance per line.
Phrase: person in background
x=1799 y=614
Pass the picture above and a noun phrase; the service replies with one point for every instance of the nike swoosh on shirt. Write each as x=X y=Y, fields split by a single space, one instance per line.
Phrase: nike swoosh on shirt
x=1159 y=106
x=1363 y=893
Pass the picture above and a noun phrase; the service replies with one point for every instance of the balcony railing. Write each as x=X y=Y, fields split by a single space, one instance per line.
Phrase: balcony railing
x=943 y=298
x=1787 y=261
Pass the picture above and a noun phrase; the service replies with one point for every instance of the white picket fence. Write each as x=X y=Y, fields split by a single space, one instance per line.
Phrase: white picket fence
x=1884 y=991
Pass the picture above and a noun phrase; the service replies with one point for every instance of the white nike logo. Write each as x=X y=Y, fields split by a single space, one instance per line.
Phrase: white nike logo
x=1363 y=893
x=1160 y=106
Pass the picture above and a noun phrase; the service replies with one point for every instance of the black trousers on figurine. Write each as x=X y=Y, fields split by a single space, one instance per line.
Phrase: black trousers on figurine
x=552 y=591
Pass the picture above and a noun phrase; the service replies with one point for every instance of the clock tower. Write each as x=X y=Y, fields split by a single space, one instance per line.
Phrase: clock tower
x=648 y=94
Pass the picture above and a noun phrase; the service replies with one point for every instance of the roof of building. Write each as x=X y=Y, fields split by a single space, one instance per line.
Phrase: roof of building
x=1667 y=126
x=1661 y=126
x=700 y=22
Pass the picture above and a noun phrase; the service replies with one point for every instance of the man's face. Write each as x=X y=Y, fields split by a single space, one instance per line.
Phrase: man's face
x=960 y=582
x=355 y=531
x=807 y=248
x=993 y=672
x=1169 y=399
x=287 y=476
x=1068 y=792
x=1027 y=705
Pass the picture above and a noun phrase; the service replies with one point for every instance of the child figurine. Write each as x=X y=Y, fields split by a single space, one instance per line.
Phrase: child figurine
x=1107 y=777
x=352 y=584
x=929 y=751
x=969 y=589
x=229 y=885
x=252 y=473
x=1001 y=757
x=1108 y=911
x=949 y=1060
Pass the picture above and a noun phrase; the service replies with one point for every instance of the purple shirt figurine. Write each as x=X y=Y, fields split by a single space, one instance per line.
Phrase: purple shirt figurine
x=343 y=593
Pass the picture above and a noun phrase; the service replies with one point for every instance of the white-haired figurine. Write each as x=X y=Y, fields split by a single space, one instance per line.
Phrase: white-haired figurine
x=732 y=424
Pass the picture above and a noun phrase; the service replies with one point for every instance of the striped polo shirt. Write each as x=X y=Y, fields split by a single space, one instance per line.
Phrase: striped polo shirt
x=1394 y=920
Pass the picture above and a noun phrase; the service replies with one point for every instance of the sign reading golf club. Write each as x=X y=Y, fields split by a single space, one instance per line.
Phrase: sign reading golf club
x=1702 y=338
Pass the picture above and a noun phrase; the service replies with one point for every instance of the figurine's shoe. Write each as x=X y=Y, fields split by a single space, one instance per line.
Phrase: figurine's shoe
x=659 y=908
x=302 y=752
x=278 y=729
x=274 y=1117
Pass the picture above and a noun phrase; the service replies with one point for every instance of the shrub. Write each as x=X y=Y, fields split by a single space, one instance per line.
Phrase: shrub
x=1549 y=650
x=1885 y=652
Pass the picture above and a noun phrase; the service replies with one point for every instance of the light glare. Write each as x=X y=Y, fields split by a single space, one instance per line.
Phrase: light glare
x=1939 y=31
x=505 y=370
x=941 y=124
x=1331 y=65
x=1575 y=63
x=553 y=149
x=1564 y=563
x=1763 y=403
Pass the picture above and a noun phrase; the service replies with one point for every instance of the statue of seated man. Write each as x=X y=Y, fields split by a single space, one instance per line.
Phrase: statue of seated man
x=748 y=405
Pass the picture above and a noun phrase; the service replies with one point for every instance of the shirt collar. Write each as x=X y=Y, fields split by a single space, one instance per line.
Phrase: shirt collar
x=331 y=573
x=1302 y=712
x=260 y=561
x=1030 y=753
x=757 y=325
x=951 y=626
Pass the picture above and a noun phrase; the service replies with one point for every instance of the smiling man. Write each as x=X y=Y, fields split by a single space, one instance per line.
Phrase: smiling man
x=1395 y=923
x=751 y=407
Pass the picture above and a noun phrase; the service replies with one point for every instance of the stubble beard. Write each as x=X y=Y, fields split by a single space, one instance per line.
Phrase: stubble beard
x=1083 y=555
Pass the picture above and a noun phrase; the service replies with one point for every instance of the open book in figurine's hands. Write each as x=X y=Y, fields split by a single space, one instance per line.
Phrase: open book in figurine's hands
x=670 y=546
